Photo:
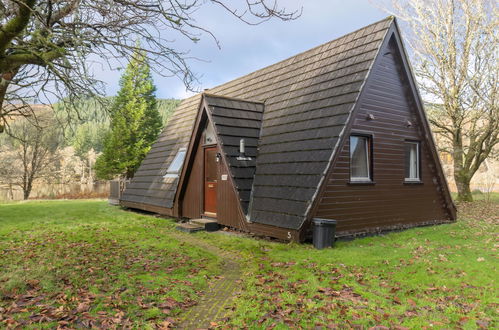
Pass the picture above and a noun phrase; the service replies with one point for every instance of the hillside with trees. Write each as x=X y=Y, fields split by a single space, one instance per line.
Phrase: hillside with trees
x=55 y=153
x=47 y=47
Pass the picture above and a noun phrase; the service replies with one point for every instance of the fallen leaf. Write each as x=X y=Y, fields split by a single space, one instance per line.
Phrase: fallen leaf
x=33 y=283
x=463 y=319
x=82 y=307
x=165 y=325
x=482 y=324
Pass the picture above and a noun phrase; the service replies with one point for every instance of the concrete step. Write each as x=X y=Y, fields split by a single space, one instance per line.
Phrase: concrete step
x=208 y=224
x=189 y=227
x=203 y=221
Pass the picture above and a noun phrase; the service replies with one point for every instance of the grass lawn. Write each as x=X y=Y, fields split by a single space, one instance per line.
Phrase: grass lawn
x=433 y=277
x=84 y=261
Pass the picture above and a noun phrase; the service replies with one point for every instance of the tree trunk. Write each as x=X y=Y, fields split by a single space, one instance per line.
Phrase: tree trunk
x=462 y=175
x=26 y=192
x=3 y=90
x=5 y=79
x=27 y=188
x=463 y=187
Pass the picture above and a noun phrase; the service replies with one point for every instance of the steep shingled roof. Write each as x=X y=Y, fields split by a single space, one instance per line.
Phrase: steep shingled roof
x=148 y=185
x=307 y=98
x=233 y=120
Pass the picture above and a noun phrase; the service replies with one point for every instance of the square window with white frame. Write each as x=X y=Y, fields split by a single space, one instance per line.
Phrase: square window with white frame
x=360 y=158
x=412 y=161
x=176 y=165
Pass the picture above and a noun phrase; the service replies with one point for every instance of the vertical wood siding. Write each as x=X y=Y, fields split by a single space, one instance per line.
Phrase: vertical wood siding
x=192 y=203
x=389 y=202
x=229 y=212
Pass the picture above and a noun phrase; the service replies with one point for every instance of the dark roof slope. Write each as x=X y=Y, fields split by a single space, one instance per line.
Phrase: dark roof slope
x=307 y=99
x=236 y=119
x=148 y=185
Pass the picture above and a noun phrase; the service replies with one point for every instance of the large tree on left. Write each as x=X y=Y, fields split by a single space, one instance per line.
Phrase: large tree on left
x=47 y=47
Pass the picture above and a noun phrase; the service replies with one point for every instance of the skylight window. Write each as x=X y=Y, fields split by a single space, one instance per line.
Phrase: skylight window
x=176 y=165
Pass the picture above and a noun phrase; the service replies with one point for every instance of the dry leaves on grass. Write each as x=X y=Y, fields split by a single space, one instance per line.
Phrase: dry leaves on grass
x=94 y=284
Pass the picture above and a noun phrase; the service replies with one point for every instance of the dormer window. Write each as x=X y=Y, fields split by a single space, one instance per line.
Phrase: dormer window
x=176 y=165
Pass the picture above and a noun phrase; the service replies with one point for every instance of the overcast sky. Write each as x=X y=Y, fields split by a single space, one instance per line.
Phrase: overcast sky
x=245 y=48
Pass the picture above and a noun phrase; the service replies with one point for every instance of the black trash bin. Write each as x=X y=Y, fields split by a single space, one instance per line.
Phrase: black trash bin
x=324 y=232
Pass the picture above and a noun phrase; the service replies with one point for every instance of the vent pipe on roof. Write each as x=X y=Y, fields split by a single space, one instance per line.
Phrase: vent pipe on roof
x=242 y=155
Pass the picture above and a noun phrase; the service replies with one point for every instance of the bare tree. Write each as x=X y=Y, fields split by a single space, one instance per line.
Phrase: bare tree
x=48 y=46
x=30 y=152
x=454 y=49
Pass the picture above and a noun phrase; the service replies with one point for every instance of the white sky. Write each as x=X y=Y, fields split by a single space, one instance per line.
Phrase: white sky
x=245 y=48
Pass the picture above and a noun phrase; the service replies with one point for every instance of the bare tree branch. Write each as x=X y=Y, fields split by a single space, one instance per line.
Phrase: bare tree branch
x=454 y=48
x=47 y=46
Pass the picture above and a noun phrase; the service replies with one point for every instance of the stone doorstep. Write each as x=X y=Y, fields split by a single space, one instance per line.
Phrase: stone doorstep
x=190 y=227
x=208 y=224
x=195 y=225
x=202 y=221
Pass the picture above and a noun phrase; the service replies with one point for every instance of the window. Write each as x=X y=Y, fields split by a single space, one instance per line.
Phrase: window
x=360 y=158
x=412 y=172
x=176 y=165
x=209 y=135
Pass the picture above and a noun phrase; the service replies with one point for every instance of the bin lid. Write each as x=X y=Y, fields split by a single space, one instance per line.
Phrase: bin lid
x=323 y=222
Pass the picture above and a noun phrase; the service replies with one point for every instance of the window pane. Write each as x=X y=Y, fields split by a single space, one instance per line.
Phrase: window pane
x=209 y=134
x=359 y=157
x=412 y=160
x=177 y=162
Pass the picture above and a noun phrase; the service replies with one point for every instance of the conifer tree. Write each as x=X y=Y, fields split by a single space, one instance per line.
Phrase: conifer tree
x=135 y=122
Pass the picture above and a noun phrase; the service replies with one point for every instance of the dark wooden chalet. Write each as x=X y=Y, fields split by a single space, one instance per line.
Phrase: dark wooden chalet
x=336 y=132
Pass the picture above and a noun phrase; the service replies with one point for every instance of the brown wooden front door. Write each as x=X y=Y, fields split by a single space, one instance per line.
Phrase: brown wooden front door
x=210 y=181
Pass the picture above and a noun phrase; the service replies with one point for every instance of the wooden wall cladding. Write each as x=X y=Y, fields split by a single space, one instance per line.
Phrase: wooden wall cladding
x=192 y=202
x=389 y=202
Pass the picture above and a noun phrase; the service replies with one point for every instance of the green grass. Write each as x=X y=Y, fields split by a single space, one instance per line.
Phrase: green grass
x=84 y=260
x=87 y=263
x=440 y=277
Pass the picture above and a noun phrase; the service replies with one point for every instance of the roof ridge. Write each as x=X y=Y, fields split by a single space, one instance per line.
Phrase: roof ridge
x=391 y=17
x=231 y=98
